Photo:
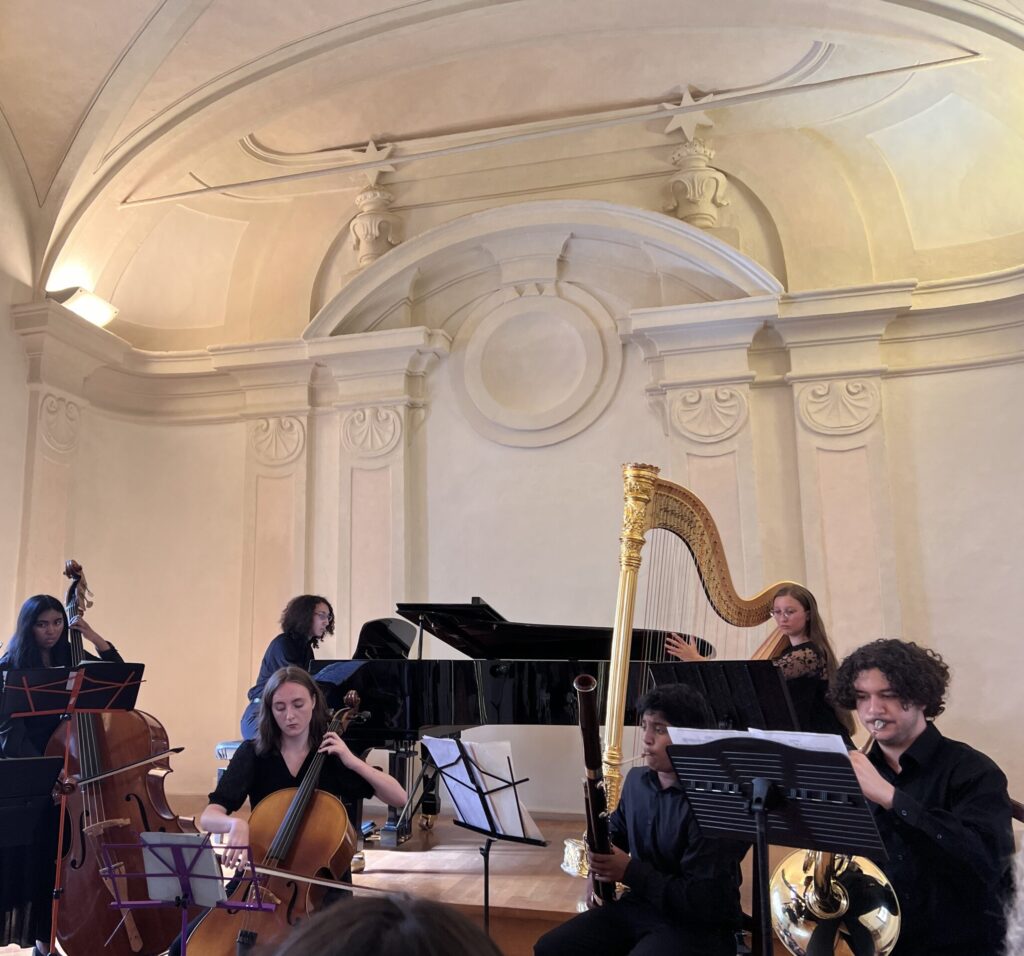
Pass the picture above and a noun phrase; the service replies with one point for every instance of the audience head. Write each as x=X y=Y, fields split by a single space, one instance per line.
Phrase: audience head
x=388 y=926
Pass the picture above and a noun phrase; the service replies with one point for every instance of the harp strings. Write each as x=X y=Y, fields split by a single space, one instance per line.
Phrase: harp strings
x=671 y=598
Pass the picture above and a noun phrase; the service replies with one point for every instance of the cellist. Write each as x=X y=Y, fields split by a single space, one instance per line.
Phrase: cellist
x=292 y=729
x=26 y=881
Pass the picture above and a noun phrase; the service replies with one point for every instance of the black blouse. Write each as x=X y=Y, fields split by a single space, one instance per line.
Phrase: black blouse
x=254 y=776
x=806 y=673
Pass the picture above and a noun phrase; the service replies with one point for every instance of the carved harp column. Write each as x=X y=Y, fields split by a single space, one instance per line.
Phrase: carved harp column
x=653 y=503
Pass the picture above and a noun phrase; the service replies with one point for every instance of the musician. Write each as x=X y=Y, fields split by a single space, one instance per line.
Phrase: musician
x=27 y=877
x=291 y=730
x=807 y=662
x=682 y=889
x=941 y=806
x=304 y=622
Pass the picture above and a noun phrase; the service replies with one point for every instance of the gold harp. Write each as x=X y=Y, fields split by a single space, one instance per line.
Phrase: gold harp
x=652 y=503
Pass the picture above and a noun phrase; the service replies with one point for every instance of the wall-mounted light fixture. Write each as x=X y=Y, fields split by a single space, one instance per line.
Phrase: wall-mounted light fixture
x=86 y=304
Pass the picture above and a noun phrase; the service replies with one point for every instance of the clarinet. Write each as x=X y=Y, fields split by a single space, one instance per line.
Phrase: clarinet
x=593 y=785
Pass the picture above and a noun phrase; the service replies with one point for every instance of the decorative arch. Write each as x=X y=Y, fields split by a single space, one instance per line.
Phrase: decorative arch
x=533 y=297
x=531 y=242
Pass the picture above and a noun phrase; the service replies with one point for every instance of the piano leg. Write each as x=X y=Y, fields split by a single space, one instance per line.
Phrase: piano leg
x=398 y=827
x=430 y=804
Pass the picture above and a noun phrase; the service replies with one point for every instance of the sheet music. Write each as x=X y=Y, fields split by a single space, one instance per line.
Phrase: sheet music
x=823 y=743
x=490 y=767
x=206 y=882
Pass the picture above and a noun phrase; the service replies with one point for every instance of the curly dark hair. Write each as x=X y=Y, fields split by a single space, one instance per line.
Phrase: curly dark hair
x=918 y=675
x=682 y=705
x=297 y=618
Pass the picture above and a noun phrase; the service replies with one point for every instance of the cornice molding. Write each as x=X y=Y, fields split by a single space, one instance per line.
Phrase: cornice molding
x=222 y=383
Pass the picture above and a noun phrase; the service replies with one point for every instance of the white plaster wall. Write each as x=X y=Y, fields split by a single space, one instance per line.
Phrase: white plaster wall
x=535 y=533
x=15 y=271
x=13 y=437
x=957 y=457
x=158 y=527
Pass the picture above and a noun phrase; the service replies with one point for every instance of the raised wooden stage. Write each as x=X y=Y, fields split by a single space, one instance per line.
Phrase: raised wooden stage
x=529 y=893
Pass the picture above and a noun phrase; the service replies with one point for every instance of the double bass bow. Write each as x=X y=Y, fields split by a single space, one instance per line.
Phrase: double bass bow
x=116 y=762
x=301 y=840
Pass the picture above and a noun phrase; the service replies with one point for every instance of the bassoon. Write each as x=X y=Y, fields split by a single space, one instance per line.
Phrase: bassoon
x=593 y=786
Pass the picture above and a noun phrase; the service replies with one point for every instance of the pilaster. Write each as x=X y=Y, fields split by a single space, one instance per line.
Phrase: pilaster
x=836 y=370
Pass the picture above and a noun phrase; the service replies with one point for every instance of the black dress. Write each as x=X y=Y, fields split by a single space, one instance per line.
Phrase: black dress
x=806 y=673
x=27 y=873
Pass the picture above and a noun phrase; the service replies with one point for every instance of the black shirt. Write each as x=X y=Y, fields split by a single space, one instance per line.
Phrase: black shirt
x=950 y=844
x=806 y=673
x=282 y=651
x=684 y=875
x=255 y=776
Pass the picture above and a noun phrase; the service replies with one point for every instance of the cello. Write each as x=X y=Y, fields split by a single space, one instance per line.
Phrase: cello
x=304 y=835
x=117 y=762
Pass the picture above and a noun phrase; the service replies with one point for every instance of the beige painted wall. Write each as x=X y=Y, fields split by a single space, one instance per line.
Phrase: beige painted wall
x=13 y=423
x=191 y=560
x=957 y=461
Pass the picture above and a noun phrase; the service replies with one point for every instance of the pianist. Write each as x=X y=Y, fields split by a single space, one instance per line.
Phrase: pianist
x=304 y=623
x=682 y=890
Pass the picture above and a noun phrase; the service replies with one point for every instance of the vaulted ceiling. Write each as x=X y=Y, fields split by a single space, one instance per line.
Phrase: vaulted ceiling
x=198 y=162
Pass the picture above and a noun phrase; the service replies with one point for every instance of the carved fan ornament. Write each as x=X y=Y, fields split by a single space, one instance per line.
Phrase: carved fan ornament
x=277 y=441
x=709 y=414
x=840 y=407
x=371 y=431
x=59 y=420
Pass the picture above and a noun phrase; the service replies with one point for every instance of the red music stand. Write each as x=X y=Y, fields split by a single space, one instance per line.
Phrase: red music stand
x=89 y=688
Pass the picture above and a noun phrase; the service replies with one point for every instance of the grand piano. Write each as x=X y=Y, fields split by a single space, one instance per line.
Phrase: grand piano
x=518 y=674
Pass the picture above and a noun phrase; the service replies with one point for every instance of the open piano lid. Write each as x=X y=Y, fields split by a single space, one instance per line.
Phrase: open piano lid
x=480 y=632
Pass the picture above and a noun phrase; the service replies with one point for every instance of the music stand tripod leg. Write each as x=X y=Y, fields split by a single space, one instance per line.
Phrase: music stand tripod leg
x=485 y=852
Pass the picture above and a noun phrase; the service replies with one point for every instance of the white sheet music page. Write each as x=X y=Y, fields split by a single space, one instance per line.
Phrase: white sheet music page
x=490 y=767
x=825 y=743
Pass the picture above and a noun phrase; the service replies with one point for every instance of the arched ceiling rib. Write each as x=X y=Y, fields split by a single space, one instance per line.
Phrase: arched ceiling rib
x=154 y=98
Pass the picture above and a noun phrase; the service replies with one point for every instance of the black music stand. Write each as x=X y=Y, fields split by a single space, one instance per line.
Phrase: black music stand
x=26 y=789
x=88 y=688
x=474 y=797
x=755 y=787
x=741 y=694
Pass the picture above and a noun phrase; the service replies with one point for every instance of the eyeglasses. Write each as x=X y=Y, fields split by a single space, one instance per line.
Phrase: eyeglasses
x=321 y=615
x=788 y=612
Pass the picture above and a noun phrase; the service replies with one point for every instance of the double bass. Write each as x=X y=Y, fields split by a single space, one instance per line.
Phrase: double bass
x=117 y=762
x=301 y=840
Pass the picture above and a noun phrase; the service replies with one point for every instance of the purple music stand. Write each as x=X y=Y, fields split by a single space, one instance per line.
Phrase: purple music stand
x=181 y=870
